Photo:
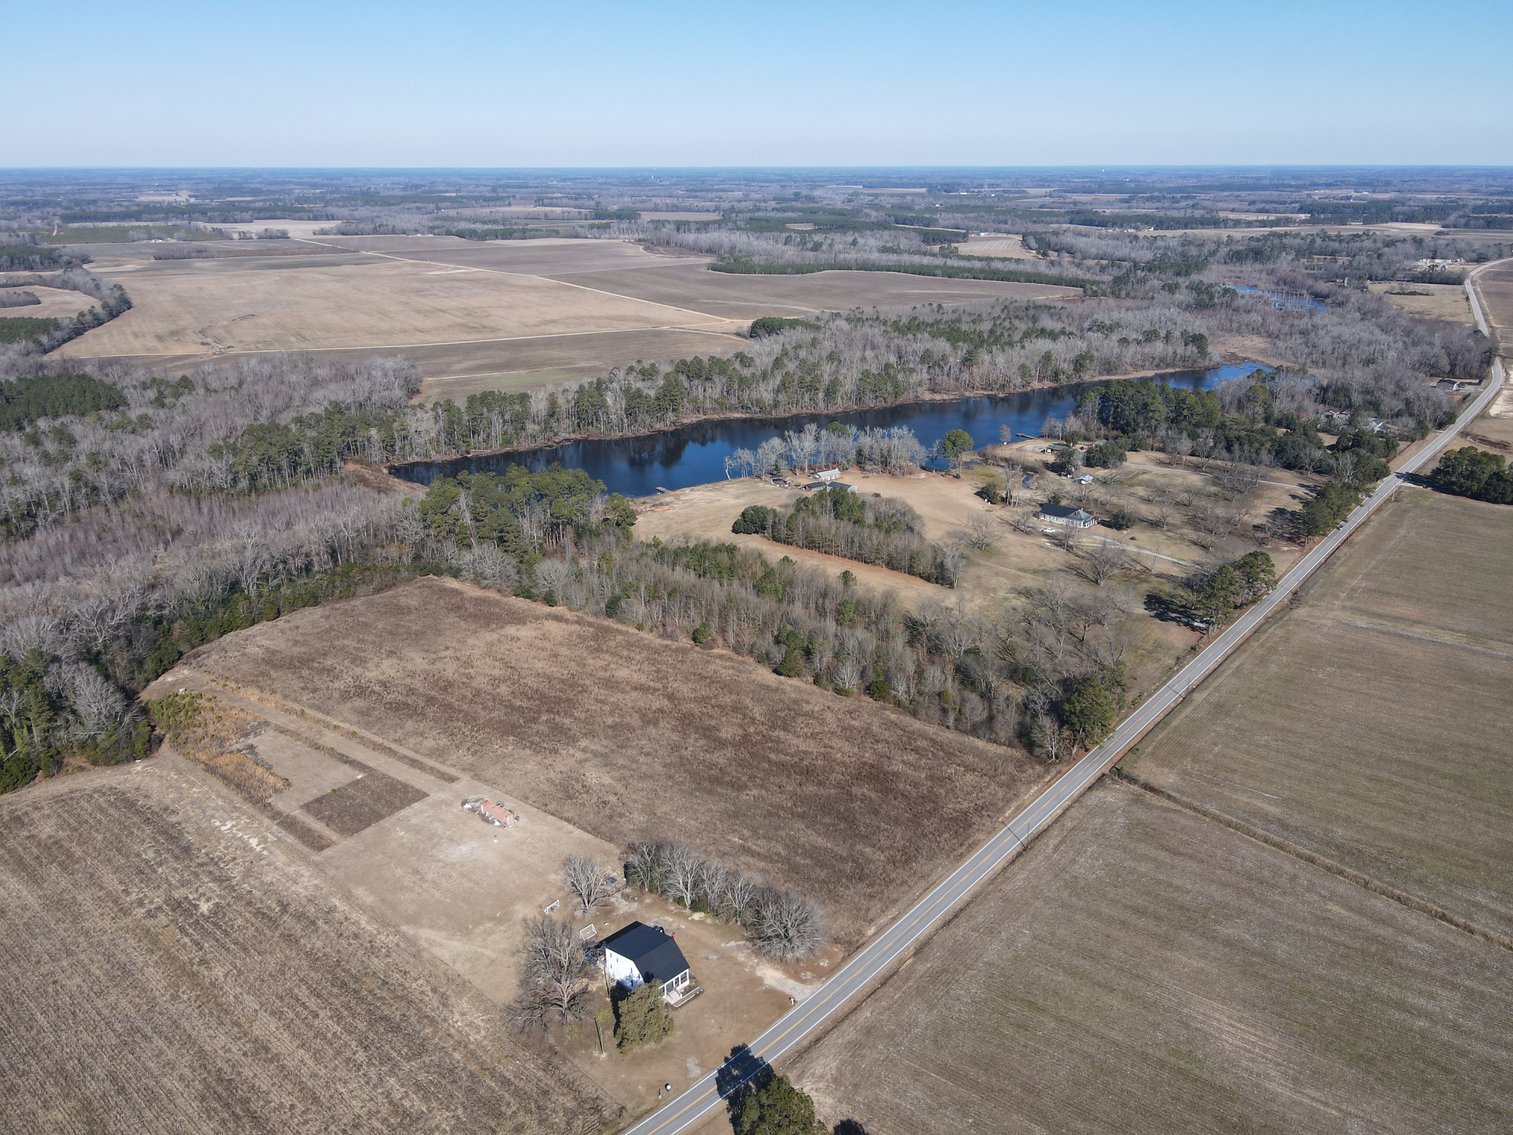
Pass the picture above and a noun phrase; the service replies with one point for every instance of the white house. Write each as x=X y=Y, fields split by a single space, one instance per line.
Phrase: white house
x=827 y=475
x=1062 y=514
x=639 y=953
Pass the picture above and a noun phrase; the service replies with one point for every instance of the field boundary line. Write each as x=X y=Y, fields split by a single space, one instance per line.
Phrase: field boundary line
x=1314 y=859
x=412 y=761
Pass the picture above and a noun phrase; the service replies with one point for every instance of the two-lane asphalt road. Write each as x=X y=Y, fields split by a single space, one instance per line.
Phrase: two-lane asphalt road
x=836 y=994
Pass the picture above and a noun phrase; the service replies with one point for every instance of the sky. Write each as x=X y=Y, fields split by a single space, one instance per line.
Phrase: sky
x=167 y=83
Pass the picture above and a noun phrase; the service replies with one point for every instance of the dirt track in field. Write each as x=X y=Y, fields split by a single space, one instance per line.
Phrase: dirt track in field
x=1369 y=723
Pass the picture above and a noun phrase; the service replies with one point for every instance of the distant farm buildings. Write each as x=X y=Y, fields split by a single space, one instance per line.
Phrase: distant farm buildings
x=814 y=486
x=1066 y=515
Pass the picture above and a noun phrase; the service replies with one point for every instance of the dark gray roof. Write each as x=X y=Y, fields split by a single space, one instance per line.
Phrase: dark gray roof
x=650 y=950
x=1065 y=512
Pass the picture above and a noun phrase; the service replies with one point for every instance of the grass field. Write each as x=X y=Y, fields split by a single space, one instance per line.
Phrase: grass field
x=1433 y=301
x=57 y=303
x=1004 y=246
x=351 y=301
x=627 y=736
x=473 y=315
x=1146 y=970
x=1368 y=724
x=170 y=964
x=1496 y=287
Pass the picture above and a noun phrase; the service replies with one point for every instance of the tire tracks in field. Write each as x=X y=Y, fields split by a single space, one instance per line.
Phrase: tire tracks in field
x=1312 y=858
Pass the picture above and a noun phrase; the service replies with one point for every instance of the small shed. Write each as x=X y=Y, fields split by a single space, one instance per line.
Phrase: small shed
x=638 y=953
x=494 y=812
x=1066 y=515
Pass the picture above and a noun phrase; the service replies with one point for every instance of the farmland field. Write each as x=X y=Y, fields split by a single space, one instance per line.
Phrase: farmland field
x=1142 y=969
x=627 y=736
x=170 y=964
x=1368 y=724
x=473 y=315
x=57 y=303
x=1496 y=287
x=1433 y=301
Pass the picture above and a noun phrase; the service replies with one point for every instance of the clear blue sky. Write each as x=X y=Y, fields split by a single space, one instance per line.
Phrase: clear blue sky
x=452 y=83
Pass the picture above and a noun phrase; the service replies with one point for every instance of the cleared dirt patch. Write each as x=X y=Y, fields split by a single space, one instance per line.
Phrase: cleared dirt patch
x=170 y=966
x=627 y=736
x=1143 y=969
x=1368 y=724
x=361 y=803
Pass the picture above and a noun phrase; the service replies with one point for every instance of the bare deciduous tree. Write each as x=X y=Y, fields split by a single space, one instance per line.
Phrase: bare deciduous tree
x=588 y=880
x=554 y=976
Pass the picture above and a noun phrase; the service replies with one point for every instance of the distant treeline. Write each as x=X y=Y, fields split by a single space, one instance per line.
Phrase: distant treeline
x=951 y=270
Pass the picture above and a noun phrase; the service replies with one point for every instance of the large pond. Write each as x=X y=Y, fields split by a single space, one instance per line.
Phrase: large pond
x=695 y=454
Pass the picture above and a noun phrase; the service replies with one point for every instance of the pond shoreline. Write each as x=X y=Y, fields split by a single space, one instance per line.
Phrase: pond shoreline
x=397 y=469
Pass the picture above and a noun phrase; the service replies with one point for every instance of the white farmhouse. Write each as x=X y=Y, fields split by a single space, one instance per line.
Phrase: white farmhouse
x=639 y=953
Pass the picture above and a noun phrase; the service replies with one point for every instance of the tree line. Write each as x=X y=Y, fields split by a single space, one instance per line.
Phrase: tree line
x=871 y=531
x=1474 y=473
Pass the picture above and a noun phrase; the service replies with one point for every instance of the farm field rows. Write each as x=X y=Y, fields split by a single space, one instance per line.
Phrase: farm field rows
x=1144 y=969
x=172 y=964
x=1367 y=724
x=626 y=736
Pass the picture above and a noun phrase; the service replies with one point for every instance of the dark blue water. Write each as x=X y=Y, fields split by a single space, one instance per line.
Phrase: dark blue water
x=695 y=454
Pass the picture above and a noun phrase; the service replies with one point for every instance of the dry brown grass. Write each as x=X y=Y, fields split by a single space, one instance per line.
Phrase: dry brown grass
x=1368 y=724
x=1496 y=288
x=57 y=303
x=500 y=315
x=1143 y=969
x=169 y=966
x=1431 y=301
x=627 y=736
x=351 y=301
x=1005 y=246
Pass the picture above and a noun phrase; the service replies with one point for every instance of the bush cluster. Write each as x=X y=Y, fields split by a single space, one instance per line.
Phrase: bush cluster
x=779 y=924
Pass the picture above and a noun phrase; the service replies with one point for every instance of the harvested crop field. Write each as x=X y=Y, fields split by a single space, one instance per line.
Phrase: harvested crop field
x=350 y=301
x=170 y=966
x=1143 y=969
x=473 y=315
x=1369 y=723
x=57 y=303
x=627 y=736
x=1496 y=288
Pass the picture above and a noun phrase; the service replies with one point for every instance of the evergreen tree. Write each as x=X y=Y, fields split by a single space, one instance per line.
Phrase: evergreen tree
x=641 y=1017
x=775 y=1107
